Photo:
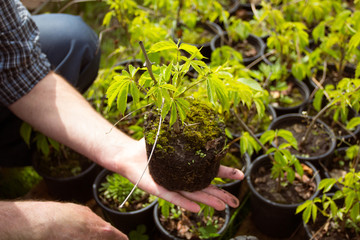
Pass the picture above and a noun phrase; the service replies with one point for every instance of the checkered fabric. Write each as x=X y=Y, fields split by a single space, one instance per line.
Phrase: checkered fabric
x=22 y=64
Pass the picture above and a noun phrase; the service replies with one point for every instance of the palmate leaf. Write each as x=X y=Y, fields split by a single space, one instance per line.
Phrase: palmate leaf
x=288 y=136
x=119 y=89
x=192 y=50
x=216 y=90
x=353 y=123
x=163 y=46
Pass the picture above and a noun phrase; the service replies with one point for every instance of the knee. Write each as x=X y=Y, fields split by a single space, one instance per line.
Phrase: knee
x=62 y=29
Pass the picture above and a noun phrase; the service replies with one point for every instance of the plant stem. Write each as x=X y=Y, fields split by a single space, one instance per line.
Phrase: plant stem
x=148 y=161
x=317 y=116
x=147 y=61
x=244 y=126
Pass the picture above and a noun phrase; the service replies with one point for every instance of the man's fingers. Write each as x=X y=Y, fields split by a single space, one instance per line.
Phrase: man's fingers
x=205 y=197
x=223 y=195
x=231 y=173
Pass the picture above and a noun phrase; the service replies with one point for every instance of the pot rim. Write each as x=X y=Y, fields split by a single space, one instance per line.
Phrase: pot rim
x=327 y=128
x=264 y=157
x=257 y=42
x=66 y=179
x=165 y=232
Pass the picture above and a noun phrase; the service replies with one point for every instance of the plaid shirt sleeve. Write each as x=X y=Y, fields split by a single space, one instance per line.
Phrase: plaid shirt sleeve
x=22 y=64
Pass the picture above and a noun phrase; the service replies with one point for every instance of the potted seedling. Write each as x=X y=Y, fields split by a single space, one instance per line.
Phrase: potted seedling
x=339 y=41
x=279 y=183
x=67 y=174
x=337 y=214
x=183 y=158
x=175 y=223
x=110 y=191
x=316 y=139
x=341 y=162
x=341 y=116
x=238 y=38
x=286 y=93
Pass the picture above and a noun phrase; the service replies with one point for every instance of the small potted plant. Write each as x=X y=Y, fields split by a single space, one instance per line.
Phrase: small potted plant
x=110 y=191
x=68 y=175
x=341 y=162
x=279 y=183
x=183 y=157
x=238 y=37
x=175 y=223
x=337 y=214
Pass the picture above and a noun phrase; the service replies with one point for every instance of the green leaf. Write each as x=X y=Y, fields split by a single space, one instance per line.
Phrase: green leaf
x=191 y=50
x=25 y=132
x=353 y=123
x=288 y=136
x=163 y=46
x=251 y=83
x=326 y=184
x=354 y=42
x=122 y=96
x=349 y=200
x=173 y=116
x=355 y=212
x=267 y=137
x=182 y=107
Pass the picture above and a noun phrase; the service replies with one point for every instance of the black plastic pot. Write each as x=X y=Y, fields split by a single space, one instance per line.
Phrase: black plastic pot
x=252 y=39
x=75 y=189
x=205 y=48
x=124 y=221
x=349 y=71
x=304 y=91
x=243 y=10
x=235 y=186
x=296 y=118
x=327 y=164
x=342 y=139
x=273 y=219
x=165 y=235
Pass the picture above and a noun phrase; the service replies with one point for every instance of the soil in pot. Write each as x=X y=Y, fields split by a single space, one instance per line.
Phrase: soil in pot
x=256 y=123
x=338 y=164
x=110 y=190
x=329 y=233
x=187 y=158
x=288 y=96
x=273 y=208
x=68 y=175
x=301 y=189
x=61 y=164
x=116 y=188
x=320 y=141
x=338 y=126
x=182 y=224
x=326 y=229
x=333 y=76
x=251 y=48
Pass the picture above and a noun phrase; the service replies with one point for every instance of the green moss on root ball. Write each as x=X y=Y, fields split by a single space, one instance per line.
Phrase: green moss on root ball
x=190 y=158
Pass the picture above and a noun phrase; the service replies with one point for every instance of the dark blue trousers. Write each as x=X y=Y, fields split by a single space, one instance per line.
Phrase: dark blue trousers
x=72 y=48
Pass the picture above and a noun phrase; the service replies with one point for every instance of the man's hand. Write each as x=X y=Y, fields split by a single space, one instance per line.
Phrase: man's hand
x=53 y=220
x=134 y=165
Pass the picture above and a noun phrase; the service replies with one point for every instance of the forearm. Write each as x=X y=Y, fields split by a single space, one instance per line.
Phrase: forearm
x=56 y=109
x=52 y=220
x=17 y=221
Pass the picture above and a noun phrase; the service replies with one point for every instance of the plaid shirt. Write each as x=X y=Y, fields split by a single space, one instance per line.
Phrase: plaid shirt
x=22 y=64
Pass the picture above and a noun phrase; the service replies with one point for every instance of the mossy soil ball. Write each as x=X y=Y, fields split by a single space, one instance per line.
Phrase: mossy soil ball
x=189 y=158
